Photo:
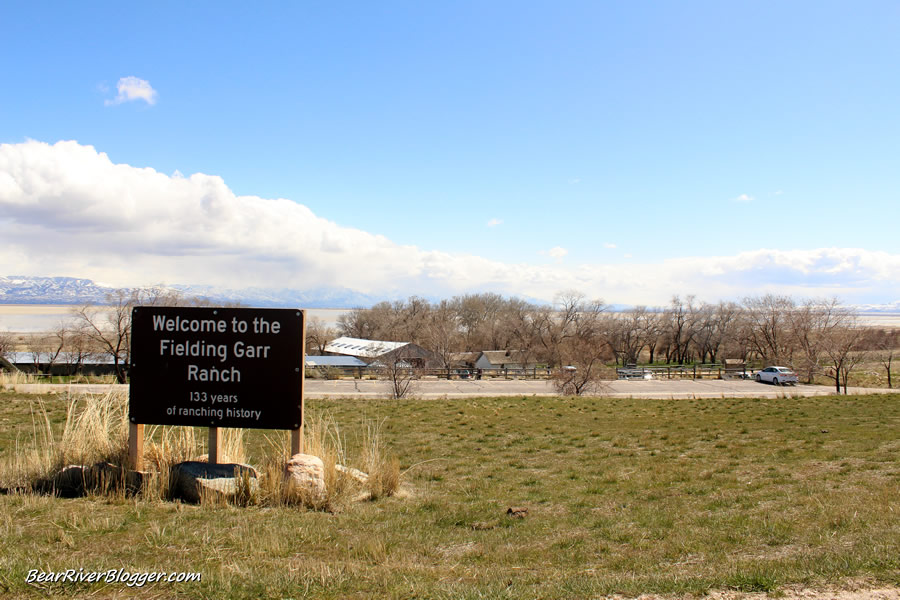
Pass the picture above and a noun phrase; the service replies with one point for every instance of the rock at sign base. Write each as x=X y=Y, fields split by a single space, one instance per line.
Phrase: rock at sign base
x=305 y=475
x=103 y=477
x=192 y=480
x=356 y=474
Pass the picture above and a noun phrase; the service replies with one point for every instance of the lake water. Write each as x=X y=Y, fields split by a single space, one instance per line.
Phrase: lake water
x=35 y=318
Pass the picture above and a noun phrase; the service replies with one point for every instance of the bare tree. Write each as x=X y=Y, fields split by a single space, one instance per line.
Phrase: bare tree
x=46 y=349
x=768 y=327
x=413 y=316
x=628 y=333
x=811 y=325
x=842 y=347
x=521 y=329
x=109 y=325
x=6 y=350
x=679 y=321
x=580 y=344
x=557 y=324
x=725 y=324
x=400 y=370
x=357 y=323
x=585 y=366
x=479 y=320
x=78 y=349
x=441 y=333
x=886 y=345
x=318 y=334
x=653 y=332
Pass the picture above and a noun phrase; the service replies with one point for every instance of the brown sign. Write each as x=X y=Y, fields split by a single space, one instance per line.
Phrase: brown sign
x=217 y=367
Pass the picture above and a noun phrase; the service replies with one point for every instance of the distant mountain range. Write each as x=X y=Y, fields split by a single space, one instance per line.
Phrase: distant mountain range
x=20 y=289
x=24 y=289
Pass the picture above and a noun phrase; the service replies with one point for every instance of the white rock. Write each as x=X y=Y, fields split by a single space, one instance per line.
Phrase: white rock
x=305 y=475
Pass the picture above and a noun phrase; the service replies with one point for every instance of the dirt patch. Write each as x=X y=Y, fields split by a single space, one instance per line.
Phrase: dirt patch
x=877 y=593
x=847 y=591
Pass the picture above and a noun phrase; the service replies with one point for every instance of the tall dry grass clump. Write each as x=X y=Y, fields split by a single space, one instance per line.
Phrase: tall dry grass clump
x=383 y=470
x=8 y=379
x=95 y=430
x=372 y=475
x=322 y=438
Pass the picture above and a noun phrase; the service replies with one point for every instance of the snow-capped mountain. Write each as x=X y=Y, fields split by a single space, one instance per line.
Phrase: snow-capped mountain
x=23 y=289
x=890 y=308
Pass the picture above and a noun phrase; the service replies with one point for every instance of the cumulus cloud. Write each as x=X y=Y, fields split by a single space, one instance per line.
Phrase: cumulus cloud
x=494 y=222
x=557 y=253
x=67 y=209
x=132 y=88
x=743 y=198
x=609 y=245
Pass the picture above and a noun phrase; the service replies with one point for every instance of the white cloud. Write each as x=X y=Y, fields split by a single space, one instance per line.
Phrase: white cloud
x=494 y=222
x=609 y=245
x=556 y=252
x=132 y=88
x=66 y=209
x=575 y=181
x=743 y=198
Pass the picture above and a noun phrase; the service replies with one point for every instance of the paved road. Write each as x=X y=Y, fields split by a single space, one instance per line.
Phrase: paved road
x=658 y=388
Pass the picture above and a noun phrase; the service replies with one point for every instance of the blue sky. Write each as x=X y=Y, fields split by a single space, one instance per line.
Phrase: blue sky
x=631 y=150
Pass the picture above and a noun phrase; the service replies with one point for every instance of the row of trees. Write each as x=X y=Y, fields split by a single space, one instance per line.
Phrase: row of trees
x=813 y=336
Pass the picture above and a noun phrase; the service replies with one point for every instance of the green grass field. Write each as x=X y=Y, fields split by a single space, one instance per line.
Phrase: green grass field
x=623 y=496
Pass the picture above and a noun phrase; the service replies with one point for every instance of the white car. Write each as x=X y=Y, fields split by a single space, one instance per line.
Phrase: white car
x=777 y=375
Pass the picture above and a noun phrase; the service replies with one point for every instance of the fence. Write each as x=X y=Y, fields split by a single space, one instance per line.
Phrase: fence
x=707 y=371
x=364 y=372
x=703 y=371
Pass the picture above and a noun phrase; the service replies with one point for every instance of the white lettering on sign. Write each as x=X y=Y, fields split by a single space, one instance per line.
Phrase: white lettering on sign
x=260 y=325
x=163 y=323
x=198 y=348
x=233 y=413
x=242 y=350
x=195 y=373
x=242 y=413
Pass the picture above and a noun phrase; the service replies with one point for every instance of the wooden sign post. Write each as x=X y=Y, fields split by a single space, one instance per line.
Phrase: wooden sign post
x=136 y=446
x=216 y=368
x=215 y=445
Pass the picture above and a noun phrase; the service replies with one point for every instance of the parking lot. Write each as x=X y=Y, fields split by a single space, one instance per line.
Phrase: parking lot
x=467 y=388
x=662 y=388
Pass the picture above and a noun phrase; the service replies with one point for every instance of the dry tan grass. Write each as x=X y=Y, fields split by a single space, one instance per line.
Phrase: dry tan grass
x=96 y=430
x=8 y=380
x=383 y=470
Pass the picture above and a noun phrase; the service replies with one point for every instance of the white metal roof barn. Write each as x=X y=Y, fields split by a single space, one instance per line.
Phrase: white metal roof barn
x=363 y=348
